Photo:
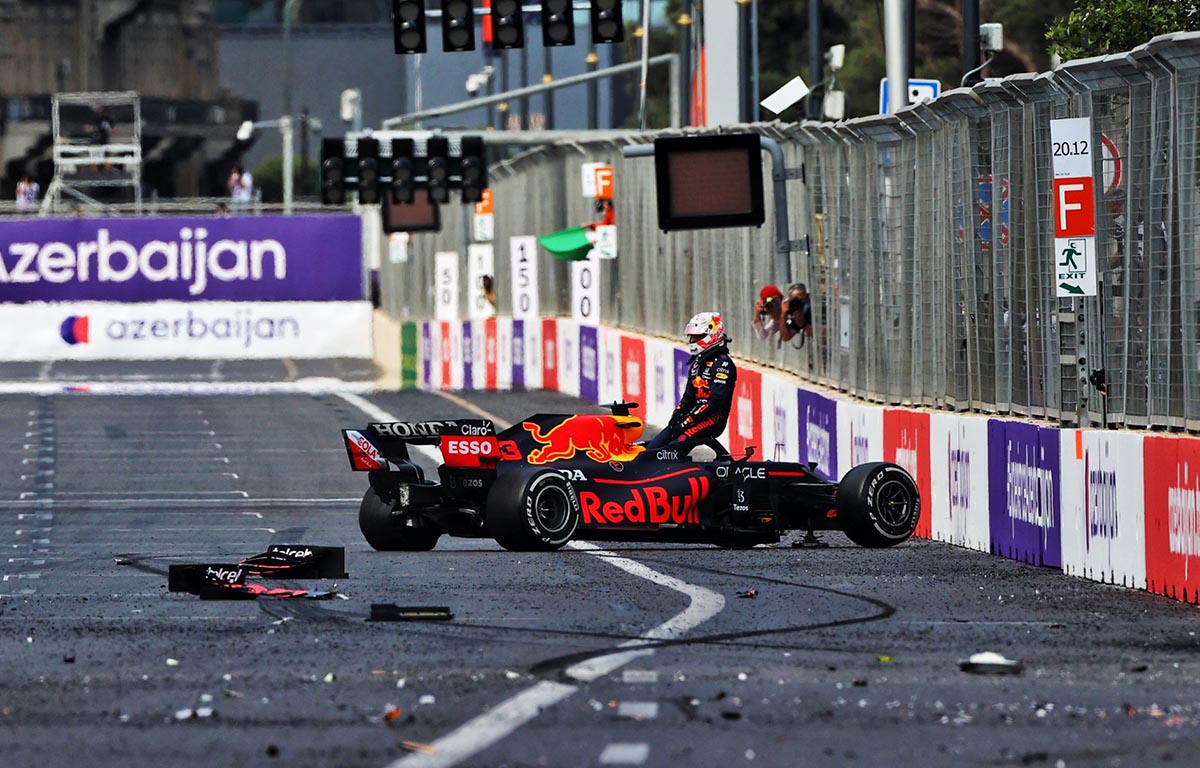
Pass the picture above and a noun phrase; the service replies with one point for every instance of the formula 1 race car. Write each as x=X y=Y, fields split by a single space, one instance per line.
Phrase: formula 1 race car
x=551 y=478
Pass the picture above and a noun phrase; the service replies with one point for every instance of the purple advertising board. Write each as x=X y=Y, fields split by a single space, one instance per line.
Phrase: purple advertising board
x=518 y=354
x=589 y=359
x=468 y=356
x=818 y=432
x=240 y=258
x=1024 y=504
x=427 y=355
x=681 y=371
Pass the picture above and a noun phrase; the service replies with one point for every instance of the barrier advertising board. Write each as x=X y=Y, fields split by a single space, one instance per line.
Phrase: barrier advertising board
x=1103 y=521
x=609 y=375
x=745 y=418
x=568 y=357
x=958 y=452
x=906 y=442
x=225 y=330
x=633 y=373
x=817 y=417
x=861 y=430
x=1173 y=516
x=428 y=349
x=502 y=346
x=471 y=341
x=660 y=382
x=1026 y=521
x=259 y=258
x=780 y=433
x=589 y=363
x=550 y=353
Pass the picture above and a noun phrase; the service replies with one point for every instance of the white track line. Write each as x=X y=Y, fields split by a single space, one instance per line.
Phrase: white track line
x=498 y=722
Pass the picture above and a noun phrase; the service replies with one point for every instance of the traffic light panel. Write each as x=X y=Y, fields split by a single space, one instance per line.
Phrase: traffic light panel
x=607 y=25
x=333 y=173
x=473 y=175
x=458 y=25
x=508 y=27
x=558 y=23
x=403 y=181
x=368 y=171
x=408 y=25
x=437 y=153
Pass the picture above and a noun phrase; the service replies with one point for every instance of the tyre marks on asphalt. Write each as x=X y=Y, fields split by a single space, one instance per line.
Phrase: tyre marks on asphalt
x=27 y=556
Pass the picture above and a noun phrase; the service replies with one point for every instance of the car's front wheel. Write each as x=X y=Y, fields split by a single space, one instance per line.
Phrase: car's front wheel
x=878 y=505
x=532 y=510
x=382 y=531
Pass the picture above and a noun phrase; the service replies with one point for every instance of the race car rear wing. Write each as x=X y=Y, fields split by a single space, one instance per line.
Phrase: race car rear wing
x=382 y=444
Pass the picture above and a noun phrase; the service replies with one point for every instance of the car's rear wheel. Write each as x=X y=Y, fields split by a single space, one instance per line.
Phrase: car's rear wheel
x=383 y=532
x=878 y=505
x=532 y=510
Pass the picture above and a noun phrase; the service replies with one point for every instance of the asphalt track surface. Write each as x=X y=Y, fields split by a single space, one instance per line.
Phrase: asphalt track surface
x=645 y=656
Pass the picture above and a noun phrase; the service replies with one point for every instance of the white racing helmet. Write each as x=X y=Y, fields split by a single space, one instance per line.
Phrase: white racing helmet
x=704 y=331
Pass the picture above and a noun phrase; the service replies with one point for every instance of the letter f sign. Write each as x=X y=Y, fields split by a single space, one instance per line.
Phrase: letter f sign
x=1074 y=207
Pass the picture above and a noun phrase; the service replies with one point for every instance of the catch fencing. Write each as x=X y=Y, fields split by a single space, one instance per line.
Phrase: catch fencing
x=930 y=248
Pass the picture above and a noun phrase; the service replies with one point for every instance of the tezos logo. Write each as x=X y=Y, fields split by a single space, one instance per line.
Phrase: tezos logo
x=74 y=330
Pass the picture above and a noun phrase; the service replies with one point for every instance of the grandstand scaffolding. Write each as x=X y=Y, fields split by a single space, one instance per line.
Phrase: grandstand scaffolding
x=97 y=145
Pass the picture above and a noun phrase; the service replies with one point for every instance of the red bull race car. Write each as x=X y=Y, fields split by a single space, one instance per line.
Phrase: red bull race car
x=552 y=478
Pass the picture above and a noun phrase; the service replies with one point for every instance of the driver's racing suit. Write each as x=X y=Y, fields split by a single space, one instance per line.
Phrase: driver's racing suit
x=704 y=408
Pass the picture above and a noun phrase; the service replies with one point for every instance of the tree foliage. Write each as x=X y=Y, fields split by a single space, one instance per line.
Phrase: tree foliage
x=1100 y=27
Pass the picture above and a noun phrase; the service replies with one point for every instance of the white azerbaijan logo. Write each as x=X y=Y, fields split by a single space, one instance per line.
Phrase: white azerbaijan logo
x=1183 y=519
x=906 y=452
x=191 y=260
x=817 y=440
x=745 y=417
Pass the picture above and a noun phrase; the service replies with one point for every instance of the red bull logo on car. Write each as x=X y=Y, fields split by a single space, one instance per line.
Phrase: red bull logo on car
x=652 y=504
x=599 y=438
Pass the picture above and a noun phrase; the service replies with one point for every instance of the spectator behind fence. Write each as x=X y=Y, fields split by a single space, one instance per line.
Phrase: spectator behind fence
x=772 y=314
x=27 y=194
x=797 y=314
x=241 y=189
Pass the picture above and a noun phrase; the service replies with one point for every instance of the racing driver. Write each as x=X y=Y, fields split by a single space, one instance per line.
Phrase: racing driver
x=704 y=408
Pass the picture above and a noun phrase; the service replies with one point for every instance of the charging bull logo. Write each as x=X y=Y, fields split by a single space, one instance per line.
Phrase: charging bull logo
x=652 y=504
x=600 y=438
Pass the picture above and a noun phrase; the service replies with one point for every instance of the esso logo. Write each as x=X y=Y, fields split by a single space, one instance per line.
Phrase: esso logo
x=467 y=447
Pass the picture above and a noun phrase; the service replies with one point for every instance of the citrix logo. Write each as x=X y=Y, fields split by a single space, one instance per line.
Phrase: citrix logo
x=74 y=330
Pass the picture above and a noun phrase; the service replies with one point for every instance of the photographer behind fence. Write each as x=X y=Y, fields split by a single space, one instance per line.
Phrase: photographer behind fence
x=790 y=317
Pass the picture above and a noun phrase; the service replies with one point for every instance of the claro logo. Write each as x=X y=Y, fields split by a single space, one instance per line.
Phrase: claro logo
x=191 y=259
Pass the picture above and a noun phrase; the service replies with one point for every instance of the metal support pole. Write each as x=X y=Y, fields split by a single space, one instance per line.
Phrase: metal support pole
x=491 y=108
x=970 y=40
x=896 y=14
x=303 y=150
x=524 y=84
x=745 y=110
x=754 y=59
x=289 y=10
x=502 y=107
x=685 y=60
x=548 y=96
x=593 y=100
x=645 y=62
x=285 y=129
x=816 y=60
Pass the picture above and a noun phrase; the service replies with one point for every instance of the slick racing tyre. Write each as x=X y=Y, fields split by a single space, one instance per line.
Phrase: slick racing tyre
x=878 y=505
x=532 y=510
x=384 y=533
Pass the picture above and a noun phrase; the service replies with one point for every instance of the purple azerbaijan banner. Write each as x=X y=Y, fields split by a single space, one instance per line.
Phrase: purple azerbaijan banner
x=468 y=355
x=241 y=258
x=589 y=363
x=818 y=432
x=1024 y=508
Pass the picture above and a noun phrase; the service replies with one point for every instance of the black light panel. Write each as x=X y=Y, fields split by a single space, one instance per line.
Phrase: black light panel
x=707 y=182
